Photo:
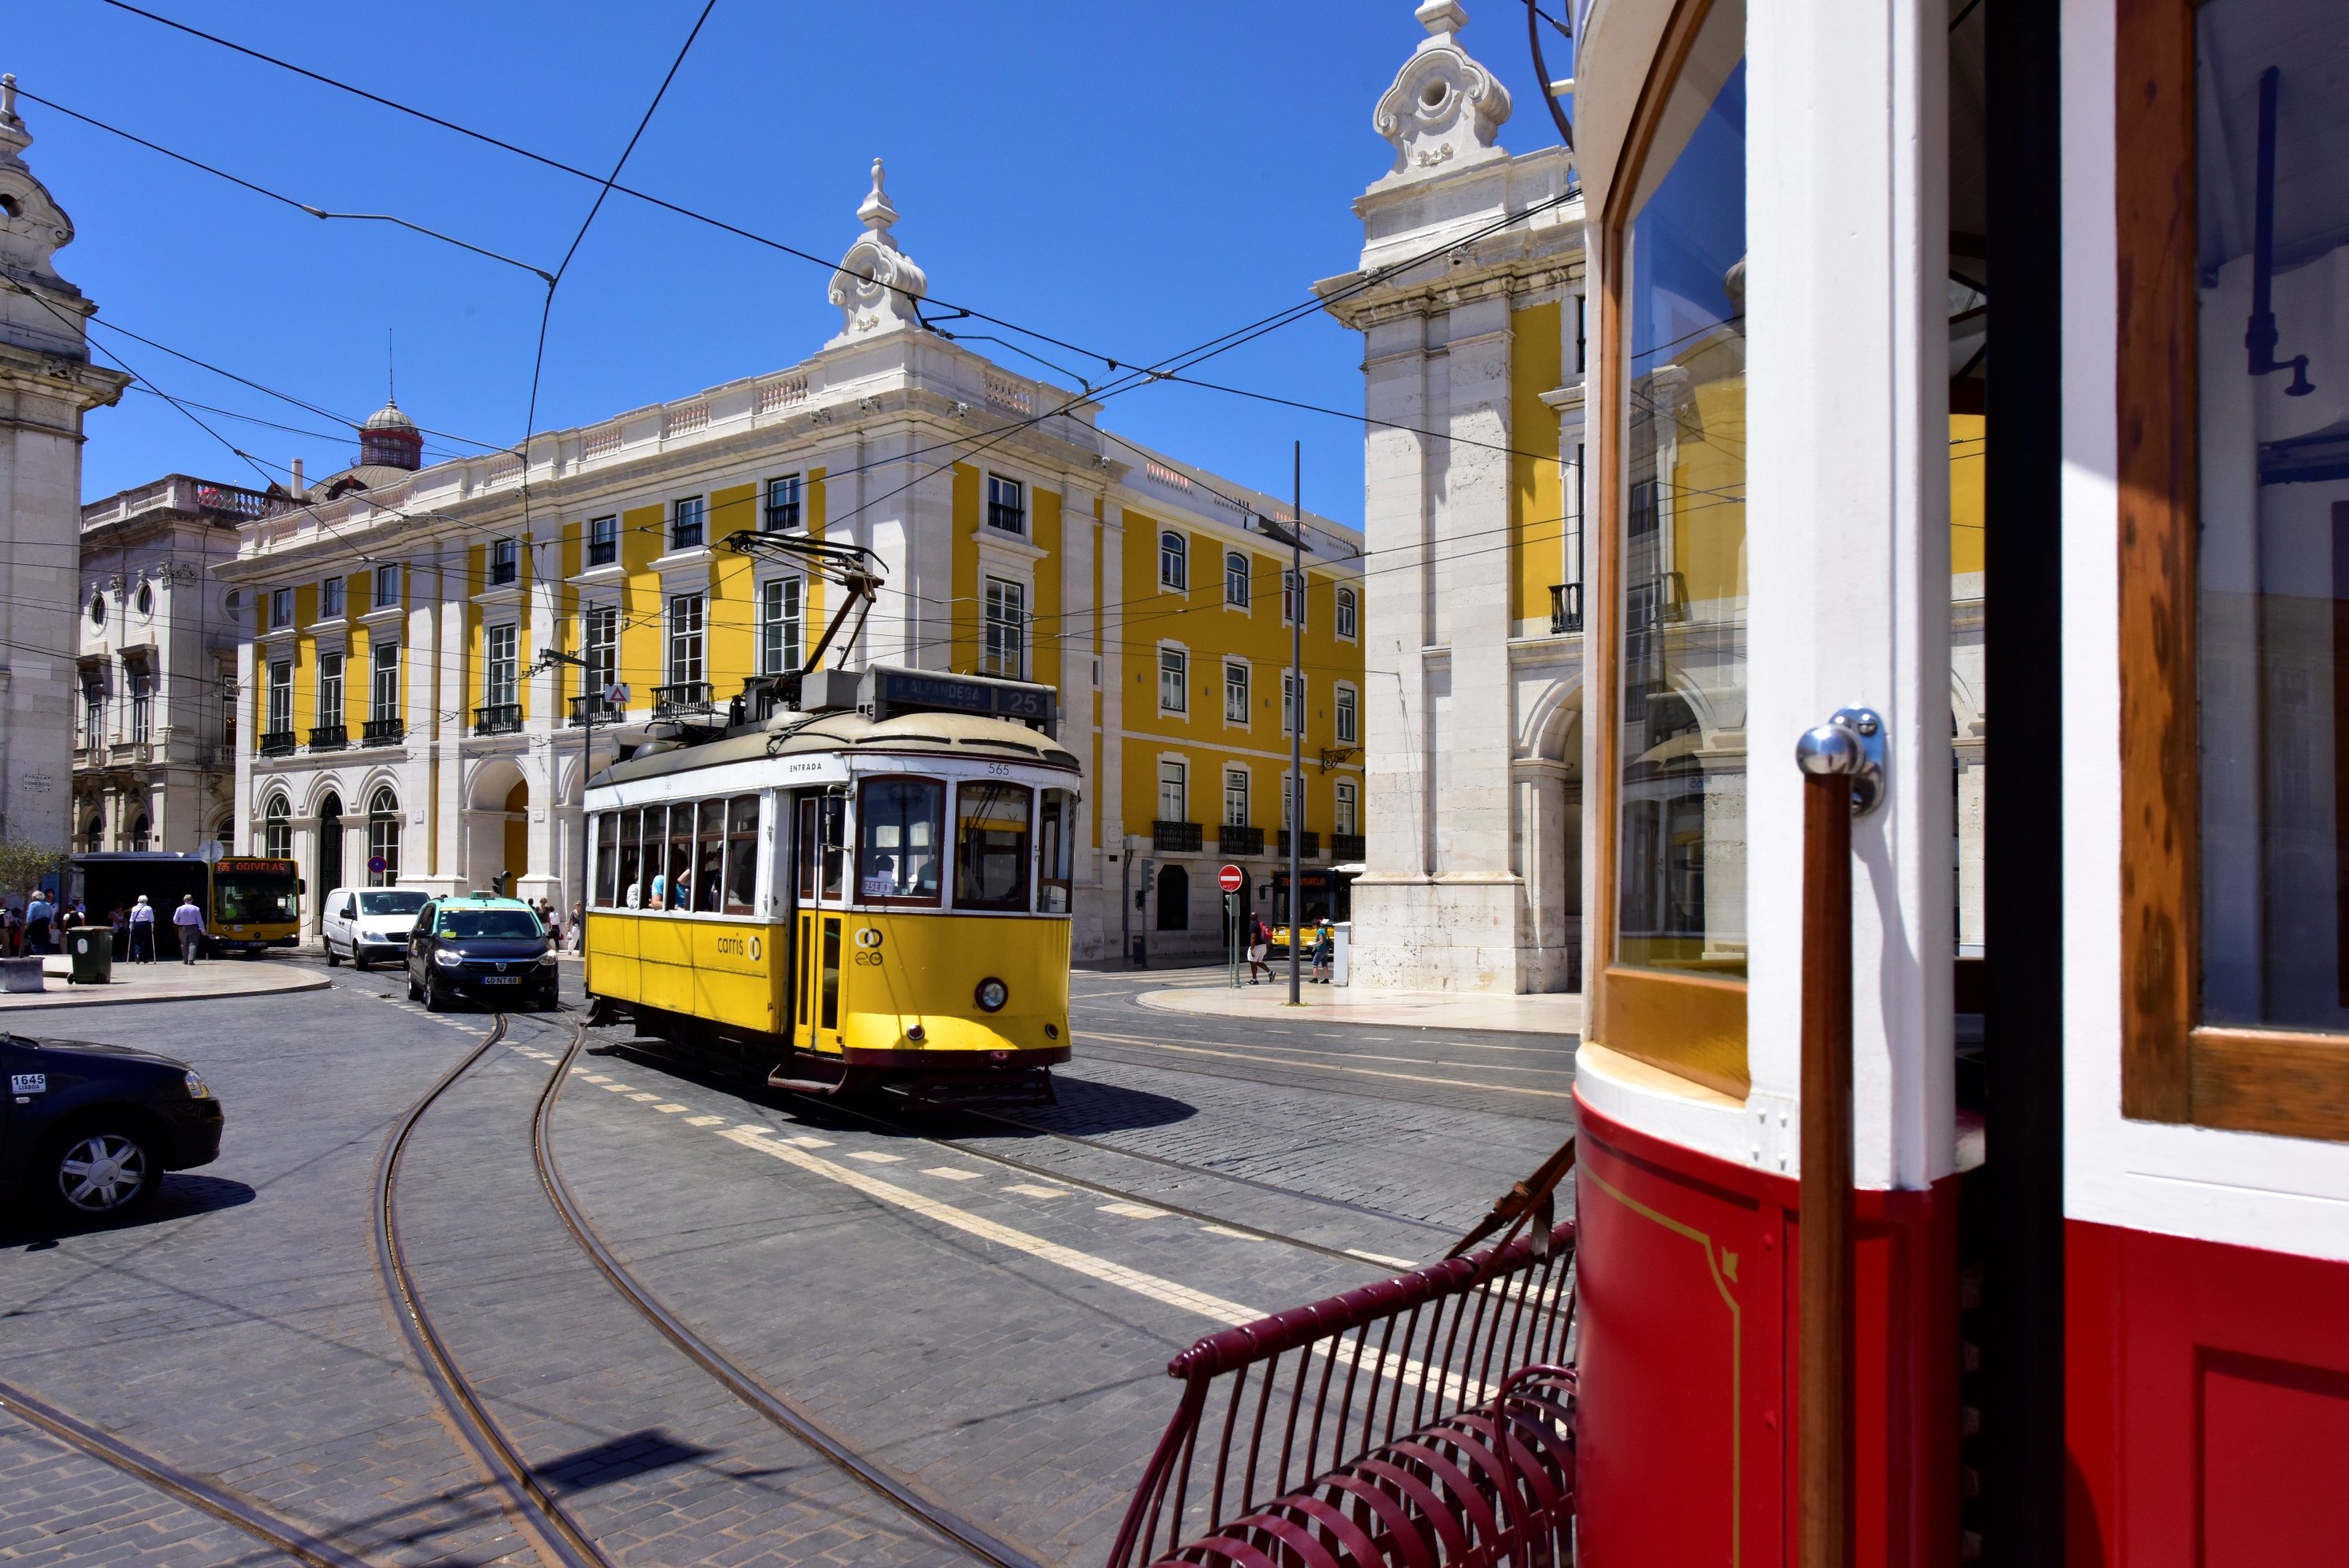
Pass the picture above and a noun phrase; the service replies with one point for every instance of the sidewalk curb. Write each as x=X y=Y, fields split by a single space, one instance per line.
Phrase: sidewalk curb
x=1176 y=999
x=112 y=995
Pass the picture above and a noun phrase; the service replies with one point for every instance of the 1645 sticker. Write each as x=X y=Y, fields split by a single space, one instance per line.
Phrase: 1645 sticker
x=28 y=1082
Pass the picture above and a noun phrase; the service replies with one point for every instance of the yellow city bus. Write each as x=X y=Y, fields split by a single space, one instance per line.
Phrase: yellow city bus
x=250 y=902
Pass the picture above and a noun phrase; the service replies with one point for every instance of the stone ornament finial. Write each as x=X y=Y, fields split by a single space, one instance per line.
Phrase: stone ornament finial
x=33 y=227
x=1443 y=109
x=876 y=284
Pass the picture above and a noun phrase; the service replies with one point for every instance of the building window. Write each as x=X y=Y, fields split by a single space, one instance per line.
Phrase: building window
x=603 y=540
x=1293 y=606
x=1346 y=715
x=387 y=587
x=1006 y=504
x=505 y=563
x=330 y=689
x=281 y=696
x=782 y=512
x=685 y=661
x=1236 y=692
x=1581 y=333
x=1346 y=613
x=1288 y=700
x=1174 y=562
x=383 y=697
x=1173 y=792
x=383 y=838
x=277 y=828
x=330 y=598
x=685 y=526
x=1006 y=650
x=97 y=609
x=778 y=626
x=93 y=713
x=1343 y=818
x=281 y=607
x=1174 y=680
x=93 y=838
x=600 y=641
x=142 y=704
x=1236 y=797
x=1236 y=578
x=499 y=665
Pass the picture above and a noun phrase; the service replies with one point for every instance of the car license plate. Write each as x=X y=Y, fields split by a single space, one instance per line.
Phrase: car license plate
x=502 y=980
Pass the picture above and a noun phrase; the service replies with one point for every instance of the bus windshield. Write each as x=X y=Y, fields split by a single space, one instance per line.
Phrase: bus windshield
x=390 y=901
x=250 y=898
x=519 y=925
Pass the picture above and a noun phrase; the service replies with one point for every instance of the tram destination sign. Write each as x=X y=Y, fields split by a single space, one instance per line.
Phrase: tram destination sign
x=924 y=691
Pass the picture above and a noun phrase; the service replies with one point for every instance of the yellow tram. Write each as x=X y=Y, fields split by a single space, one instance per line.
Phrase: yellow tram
x=842 y=902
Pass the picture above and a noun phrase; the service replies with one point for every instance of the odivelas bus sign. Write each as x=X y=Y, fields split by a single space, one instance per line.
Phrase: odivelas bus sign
x=231 y=864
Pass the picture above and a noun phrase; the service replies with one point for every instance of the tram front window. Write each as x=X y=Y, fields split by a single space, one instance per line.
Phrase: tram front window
x=1680 y=822
x=991 y=846
x=898 y=824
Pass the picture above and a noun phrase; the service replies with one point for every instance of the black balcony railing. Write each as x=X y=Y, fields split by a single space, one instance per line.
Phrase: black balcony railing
x=277 y=742
x=497 y=719
x=681 y=697
x=1565 y=607
x=595 y=707
x=1231 y=839
x=329 y=737
x=1346 y=846
x=383 y=732
x=1309 y=846
x=1178 y=836
x=783 y=518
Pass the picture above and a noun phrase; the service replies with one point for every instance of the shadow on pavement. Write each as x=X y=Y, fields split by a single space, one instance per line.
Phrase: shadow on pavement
x=181 y=1197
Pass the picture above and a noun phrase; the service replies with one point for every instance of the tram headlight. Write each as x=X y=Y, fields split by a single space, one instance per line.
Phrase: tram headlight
x=992 y=994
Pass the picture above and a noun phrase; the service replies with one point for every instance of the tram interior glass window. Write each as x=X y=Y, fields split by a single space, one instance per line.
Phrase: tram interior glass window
x=608 y=858
x=824 y=821
x=710 y=866
x=991 y=826
x=679 y=889
x=2273 y=636
x=1057 y=824
x=1681 y=816
x=742 y=854
x=629 y=874
x=899 y=824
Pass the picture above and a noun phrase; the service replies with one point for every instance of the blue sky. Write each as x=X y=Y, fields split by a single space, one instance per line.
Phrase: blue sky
x=1131 y=178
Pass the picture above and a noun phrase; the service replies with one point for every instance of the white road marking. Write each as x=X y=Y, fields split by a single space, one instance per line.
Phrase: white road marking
x=703 y=1121
x=1158 y=1289
x=1133 y=1211
x=1228 y=1230
x=612 y=1088
x=872 y=1155
x=674 y=1108
x=1030 y=1189
x=951 y=1174
x=643 y=1098
x=1381 y=1258
x=592 y=1077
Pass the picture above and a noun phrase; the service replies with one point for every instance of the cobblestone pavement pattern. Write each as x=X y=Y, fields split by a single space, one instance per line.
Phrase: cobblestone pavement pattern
x=996 y=1334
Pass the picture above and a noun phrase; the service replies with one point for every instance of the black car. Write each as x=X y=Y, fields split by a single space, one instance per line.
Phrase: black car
x=88 y=1130
x=493 y=950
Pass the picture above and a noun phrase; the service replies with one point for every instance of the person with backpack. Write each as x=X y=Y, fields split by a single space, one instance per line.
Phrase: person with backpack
x=40 y=922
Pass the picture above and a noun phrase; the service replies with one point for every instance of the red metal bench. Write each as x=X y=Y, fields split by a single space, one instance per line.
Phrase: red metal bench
x=1427 y=1419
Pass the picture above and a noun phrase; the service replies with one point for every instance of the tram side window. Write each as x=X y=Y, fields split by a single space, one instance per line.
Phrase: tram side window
x=1054 y=850
x=742 y=854
x=708 y=883
x=824 y=821
x=631 y=869
x=991 y=846
x=898 y=822
x=607 y=857
x=680 y=857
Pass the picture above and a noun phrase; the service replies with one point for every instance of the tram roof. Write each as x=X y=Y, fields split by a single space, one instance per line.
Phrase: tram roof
x=934 y=734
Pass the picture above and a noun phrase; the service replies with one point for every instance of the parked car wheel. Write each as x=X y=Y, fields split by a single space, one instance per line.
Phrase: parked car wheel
x=99 y=1169
x=413 y=994
x=435 y=1001
x=333 y=958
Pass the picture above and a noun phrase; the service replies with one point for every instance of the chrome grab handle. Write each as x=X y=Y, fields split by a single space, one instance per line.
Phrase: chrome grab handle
x=1851 y=743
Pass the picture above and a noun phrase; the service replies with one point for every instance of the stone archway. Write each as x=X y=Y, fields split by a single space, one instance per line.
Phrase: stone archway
x=497 y=830
x=329 y=874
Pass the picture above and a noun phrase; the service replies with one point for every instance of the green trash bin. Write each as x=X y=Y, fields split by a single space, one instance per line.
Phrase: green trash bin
x=92 y=950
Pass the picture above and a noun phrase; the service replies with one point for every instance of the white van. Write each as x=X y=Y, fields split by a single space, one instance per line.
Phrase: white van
x=364 y=924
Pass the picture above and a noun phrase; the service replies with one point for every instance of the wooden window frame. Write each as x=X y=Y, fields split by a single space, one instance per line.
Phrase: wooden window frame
x=1693 y=1026
x=2174 y=1067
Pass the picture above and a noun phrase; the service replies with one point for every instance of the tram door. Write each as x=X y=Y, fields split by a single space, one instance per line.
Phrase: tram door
x=819 y=934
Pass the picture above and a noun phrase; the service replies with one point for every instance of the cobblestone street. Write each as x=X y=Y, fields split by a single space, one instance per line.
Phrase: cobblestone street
x=981 y=1304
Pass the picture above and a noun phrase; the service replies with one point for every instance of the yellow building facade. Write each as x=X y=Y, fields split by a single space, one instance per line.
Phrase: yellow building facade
x=398 y=722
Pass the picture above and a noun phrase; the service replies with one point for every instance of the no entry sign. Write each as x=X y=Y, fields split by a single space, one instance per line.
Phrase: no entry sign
x=1231 y=879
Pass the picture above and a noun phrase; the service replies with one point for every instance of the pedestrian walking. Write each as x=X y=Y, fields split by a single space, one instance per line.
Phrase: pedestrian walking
x=141 y=924
x=1260 y=945
x=1323 y=940
x=188 y=922
x=578 y=929
x=40 y=918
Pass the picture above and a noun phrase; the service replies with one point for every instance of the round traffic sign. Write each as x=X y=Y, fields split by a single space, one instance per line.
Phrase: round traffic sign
x=375 y=862
x=1231 y=879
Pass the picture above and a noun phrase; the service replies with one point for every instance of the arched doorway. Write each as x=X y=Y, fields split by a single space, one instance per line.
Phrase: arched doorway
x=1173 y=899
x=517 y=837
x=330 y=847
x=383 y=838
x=94 y=836
x=141 y=831
x=277 y=828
